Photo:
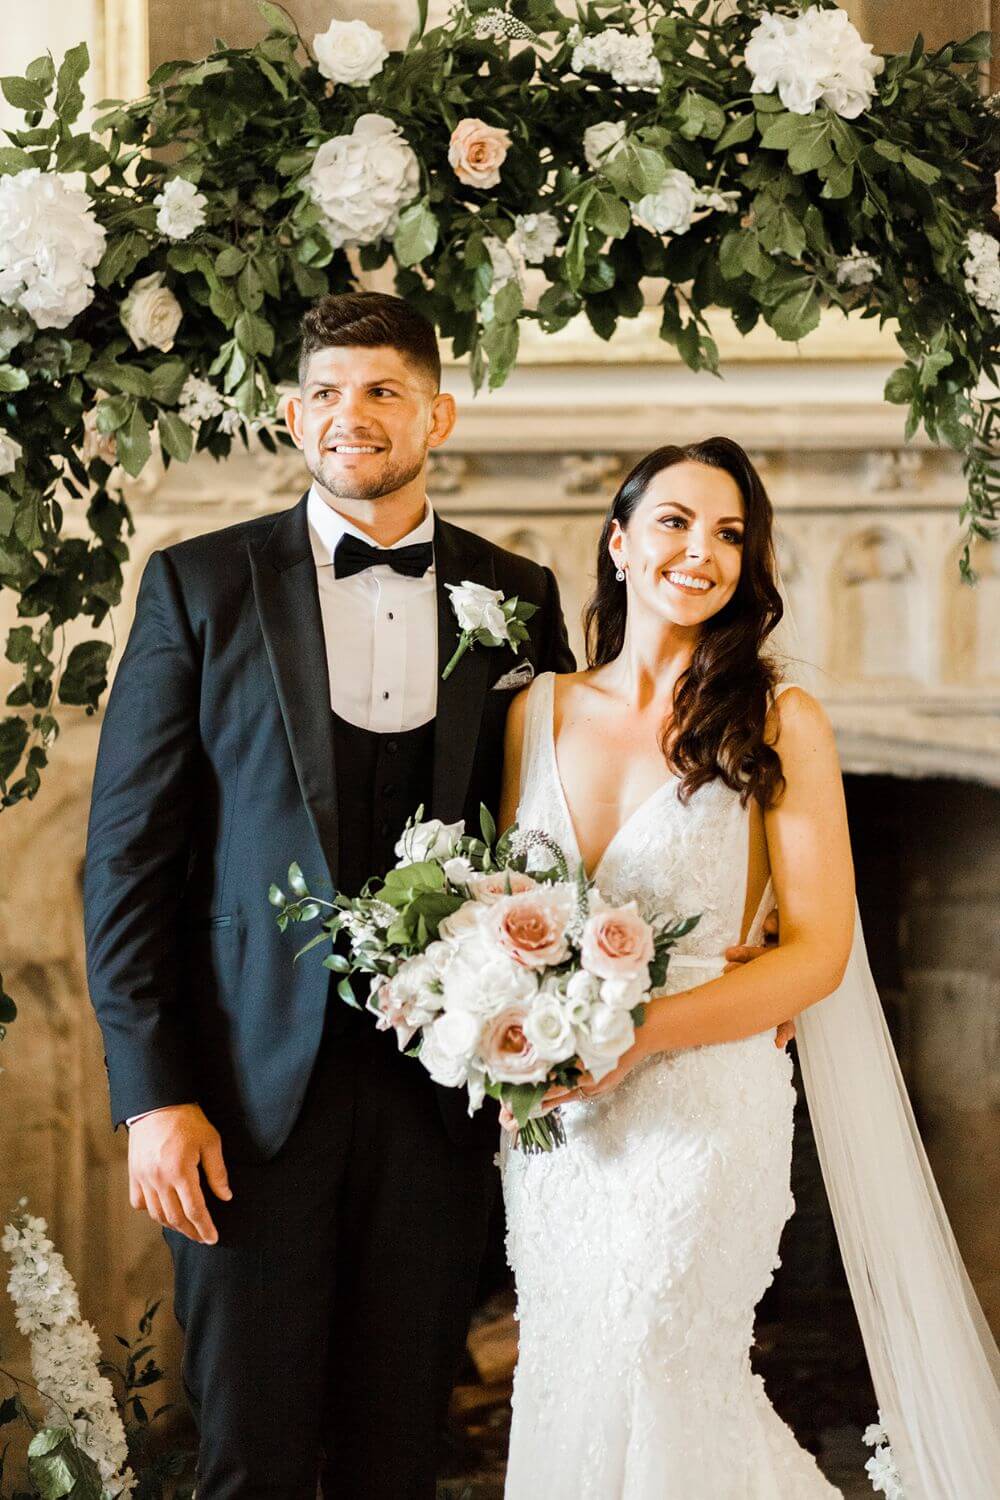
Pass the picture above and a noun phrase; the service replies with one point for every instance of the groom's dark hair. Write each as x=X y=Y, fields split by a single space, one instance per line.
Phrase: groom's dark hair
x=371 y=320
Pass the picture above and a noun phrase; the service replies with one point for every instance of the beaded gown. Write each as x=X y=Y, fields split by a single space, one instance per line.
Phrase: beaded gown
x=643 y=1245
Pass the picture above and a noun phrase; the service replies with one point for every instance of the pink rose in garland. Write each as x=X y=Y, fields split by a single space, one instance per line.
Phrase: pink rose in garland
x=617 y=944
x=494 y=886
x=477 y=152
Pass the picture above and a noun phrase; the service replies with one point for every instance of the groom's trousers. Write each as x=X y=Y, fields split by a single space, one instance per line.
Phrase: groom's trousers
x=323 y=1331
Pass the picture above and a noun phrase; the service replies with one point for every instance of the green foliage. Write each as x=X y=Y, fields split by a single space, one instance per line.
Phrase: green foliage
x=904 y=182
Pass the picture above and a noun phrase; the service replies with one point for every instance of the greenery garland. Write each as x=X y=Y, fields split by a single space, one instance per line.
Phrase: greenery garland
x=211 y=219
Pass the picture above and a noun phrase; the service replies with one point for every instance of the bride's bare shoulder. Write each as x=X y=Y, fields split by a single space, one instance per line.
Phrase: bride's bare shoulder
x=798 y=725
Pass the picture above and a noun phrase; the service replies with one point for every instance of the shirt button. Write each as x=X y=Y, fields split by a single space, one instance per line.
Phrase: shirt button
x=391 y=616
x=391 y=747
x=385 y=697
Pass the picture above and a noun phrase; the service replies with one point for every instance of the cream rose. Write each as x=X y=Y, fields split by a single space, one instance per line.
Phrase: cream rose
x=477 y=151
x=478 y=608
x=604 y=1040
x=151 y=314
x=531 y=927
x=430 y=840
x=507 y=1054
x=350 y=52
x=491 y=888
x=617 y=944
x=548 y=1029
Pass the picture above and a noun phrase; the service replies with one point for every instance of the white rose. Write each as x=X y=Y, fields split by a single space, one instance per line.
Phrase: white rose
x=430 y=840
x=449 y=1068
x=462 y=921
x=623 y=994
x=982 y=270
x=604 y=1040
x=363 y=181
x=459 y=870
x=671 y=208
x=10 y=452
x=536 y=235
x=151 y=314
x=457 y=1033
x=350 y=52
x=549 y=1031
x=602 y=141
x=181 y=209
x=478 y=608
x=50 y=243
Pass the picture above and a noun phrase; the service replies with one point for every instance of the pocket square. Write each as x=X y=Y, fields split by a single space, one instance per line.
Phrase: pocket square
x=517 y=677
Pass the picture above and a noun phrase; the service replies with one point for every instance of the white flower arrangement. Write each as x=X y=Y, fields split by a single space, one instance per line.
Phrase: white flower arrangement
x=602 y=142
x=65 y=1352
x=181 y=209
x=536 y=236
x=816 y=57
x=857 y=269
x=982 y=270
x=350 y=52
x=362 y=182
x=670 y=210
x=628 y=57
x=50 y=243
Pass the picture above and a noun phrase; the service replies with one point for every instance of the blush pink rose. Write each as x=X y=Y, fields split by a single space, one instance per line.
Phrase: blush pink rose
x=493 y=887
x=391 y=1011
x=617 y=943
x=477 y=152
x=531 y=927
x=505 y=1051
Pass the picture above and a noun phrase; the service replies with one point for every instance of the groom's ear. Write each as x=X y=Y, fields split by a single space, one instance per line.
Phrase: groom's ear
x=293 y=416
x=444 y=415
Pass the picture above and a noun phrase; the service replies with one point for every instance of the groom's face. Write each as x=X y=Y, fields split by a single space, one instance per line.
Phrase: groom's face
x=365 y=419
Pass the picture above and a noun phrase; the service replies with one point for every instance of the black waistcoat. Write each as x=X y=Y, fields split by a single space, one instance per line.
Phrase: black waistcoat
x=381 y=781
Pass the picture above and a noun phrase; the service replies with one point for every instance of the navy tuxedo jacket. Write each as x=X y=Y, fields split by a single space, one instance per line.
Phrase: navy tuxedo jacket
x=215 y=771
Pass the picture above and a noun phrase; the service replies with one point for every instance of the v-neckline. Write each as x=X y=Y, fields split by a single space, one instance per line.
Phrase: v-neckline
x=570 y=820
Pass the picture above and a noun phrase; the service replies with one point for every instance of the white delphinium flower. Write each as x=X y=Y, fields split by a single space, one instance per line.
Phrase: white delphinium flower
x=350 y=52
x=50 y=243
x=181 y=209
x=857 y=269
x=151 y=314
x=628 y=58
x=497 y=26
x=816 y=56
x=10 y=452
x=603 y=141
x=982 y=270
x=536 y=236
x=363 y=181
x=670 y=210
x=199 y=401
x=65 y=1351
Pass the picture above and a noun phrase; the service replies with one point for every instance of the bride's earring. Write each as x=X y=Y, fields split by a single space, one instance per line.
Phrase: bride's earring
x=620 y=575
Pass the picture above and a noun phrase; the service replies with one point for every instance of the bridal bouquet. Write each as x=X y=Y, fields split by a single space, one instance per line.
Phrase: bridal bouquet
x=501 y=980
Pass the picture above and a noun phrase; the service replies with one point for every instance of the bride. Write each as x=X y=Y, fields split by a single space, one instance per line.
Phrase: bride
x=684 y=774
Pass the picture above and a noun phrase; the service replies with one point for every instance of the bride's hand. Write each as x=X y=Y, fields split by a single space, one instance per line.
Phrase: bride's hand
x=507 y=1120
x=588 y=1088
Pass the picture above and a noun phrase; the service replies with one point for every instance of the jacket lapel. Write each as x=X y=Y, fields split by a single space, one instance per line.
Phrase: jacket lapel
x=461 y=699
x=287 y=598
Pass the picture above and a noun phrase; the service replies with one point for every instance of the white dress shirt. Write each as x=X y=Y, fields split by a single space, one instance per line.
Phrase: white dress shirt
x=380 y=629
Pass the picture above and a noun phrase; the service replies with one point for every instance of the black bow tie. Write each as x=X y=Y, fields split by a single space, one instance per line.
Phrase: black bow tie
x=351 y=555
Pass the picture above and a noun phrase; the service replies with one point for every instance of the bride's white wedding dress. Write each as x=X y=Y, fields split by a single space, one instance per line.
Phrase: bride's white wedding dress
x=642 y=1247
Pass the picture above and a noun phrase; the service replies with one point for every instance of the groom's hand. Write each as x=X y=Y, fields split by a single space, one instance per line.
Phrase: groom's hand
x=745 y=953
x=165 y=1149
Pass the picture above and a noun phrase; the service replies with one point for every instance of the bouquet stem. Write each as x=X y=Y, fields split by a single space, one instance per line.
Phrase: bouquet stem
x=542 y=1133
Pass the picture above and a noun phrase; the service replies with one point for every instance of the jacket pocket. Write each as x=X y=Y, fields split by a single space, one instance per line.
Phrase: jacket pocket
x=226 y=921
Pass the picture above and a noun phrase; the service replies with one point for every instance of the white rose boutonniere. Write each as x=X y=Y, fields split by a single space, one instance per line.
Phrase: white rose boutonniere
x=486 y=618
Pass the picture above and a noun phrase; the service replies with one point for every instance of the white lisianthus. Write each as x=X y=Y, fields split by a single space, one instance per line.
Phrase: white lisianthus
x=363 y=181
x=478 y=608
x=458 y=870
x=536 y=235
x=10 y=452
x=628 y=58
x=603 y=141
x=582 y=993
x=857 y=269
x=814 y=57
x=181 y=209
x=151 y=314
x=443 y=1063
x=603 y=1041
x=549 y=1030
x=430 y=840
x=50 y=243
x=982 y=270
x=670 y=209
x=350 y=52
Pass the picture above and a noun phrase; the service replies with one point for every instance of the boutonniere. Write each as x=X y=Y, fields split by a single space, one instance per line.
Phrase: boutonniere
x=486 y=618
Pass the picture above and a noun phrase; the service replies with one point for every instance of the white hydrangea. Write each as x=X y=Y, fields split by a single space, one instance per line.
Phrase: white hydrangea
x=982 y=270
x=50 y=243
x=10 y=452
x=813 y=57
x=627 y=57
x=363 y=181
x=181 y=209
x=857 y=269
x=536 y=236
x=65 y=1351
x=602 y=141
x=350 y=52
x=670 y=210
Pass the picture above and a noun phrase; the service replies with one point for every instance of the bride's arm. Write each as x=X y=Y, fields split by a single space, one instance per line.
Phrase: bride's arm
x=810 y=856
x=510 y=786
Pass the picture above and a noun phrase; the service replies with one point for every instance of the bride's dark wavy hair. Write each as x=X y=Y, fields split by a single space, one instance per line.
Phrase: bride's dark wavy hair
x=721 y=700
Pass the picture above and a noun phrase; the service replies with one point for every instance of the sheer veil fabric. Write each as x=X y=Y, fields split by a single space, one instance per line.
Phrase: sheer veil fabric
x=934 y=1362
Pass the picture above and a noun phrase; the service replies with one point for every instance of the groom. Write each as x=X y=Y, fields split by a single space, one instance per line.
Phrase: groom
x=280 y=698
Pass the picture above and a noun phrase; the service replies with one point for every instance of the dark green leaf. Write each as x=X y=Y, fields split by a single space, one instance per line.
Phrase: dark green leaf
x=416 y=234
x=133 y=443
x=25 y=96
x=12 y=379
x=69 y=95
x=230 y=262
x=175 y=435
x=276 y=18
